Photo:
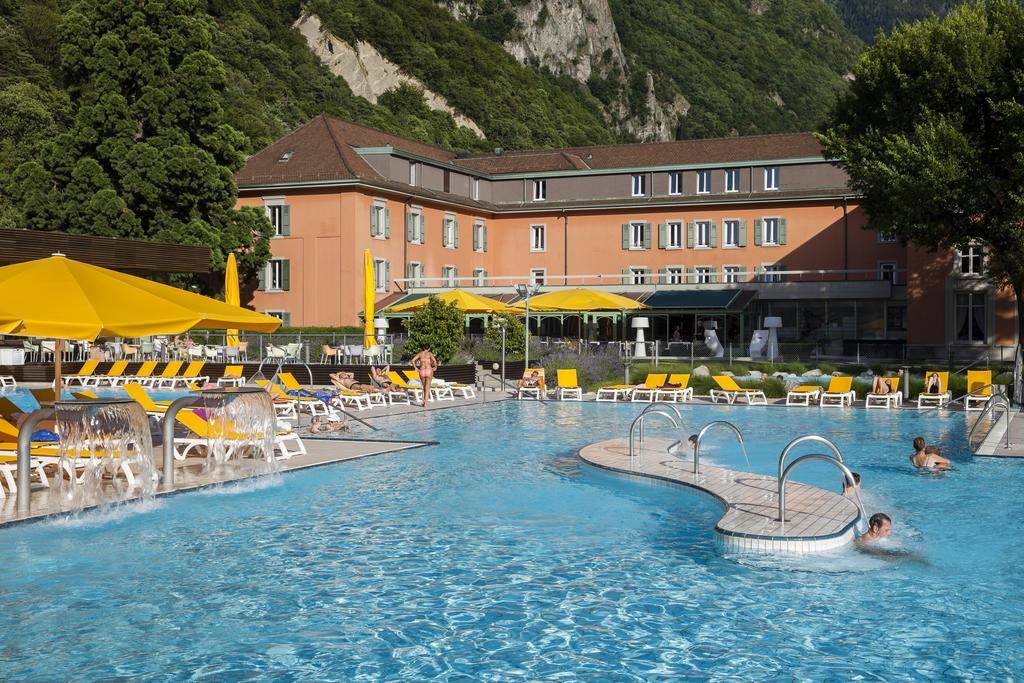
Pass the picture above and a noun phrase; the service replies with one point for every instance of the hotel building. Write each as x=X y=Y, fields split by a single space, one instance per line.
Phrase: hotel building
x=730 y=229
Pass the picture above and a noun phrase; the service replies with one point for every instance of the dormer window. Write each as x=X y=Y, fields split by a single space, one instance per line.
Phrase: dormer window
x=540 y=190
x=639 y=184
x=414 y=173
x=771 y=178
x=284 y=158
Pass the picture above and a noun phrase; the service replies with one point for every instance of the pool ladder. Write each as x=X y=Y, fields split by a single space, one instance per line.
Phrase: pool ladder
x=638 y=426
x=834 y=458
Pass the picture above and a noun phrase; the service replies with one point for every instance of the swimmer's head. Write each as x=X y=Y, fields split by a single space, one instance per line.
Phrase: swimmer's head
x=919 y=443
x=880 y=524
x=692 y=440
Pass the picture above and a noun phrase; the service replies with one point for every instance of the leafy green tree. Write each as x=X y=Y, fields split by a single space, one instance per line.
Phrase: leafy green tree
x=932 y=135
x=148 y=153
x=438 y=325
x=515 y=334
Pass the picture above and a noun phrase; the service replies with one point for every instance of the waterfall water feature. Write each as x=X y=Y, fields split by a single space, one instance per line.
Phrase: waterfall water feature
x=100 y=438
x=241 y=427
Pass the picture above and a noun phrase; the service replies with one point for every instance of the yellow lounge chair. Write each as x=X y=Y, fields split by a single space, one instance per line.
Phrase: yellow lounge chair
x=538 y=391
x=170 y=371
x=569 y=388
x=10 y=410
x=42 y=454
x=44 y=397
x=644 y=393
x=87 y=370
x=144 y=374
x=314 y=405
x=187 y=378
x=839 y=393
x=232 y=376
x=284 y=405
x=803 y=395
x=889 y=400
x=138 y=394
x=979 y=389
x=203 y=431
x=615 y=392
x=681 y=392
x=940 y=399
x=731 y=392
x=464 y=390
x=112 y=377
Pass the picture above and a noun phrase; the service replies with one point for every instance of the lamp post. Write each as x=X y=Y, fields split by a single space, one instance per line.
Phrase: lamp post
x=526 y=291
x=640 y=324
x=501 y=324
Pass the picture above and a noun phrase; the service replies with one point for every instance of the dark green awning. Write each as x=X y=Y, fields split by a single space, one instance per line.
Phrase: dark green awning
x=700 y=299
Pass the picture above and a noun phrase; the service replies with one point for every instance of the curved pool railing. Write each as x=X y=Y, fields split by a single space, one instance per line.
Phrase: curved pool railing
x=653 y=406
x=989 y=409
x=807 y=438
x=639 y=420
x=704 y=430
x=816 y=457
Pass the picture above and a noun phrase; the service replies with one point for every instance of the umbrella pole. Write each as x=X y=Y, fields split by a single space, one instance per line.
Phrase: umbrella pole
x=58 y=354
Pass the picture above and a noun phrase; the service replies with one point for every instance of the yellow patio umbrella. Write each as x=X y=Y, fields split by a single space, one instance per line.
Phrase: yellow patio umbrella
x=369 y=296
x=467 y=302
x=580 y=299
x=58 y=298
x=232 y=297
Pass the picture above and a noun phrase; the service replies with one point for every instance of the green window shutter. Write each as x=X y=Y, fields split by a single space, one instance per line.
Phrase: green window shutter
x=758 y=231
x=286 y=220
x=743 y=233
x=714 y=234
x=689 y=234
x=373 y=221
x=485 y=238
x=476 y=239
x=286 y=275
x=782 y=231
x=663 y=276
x=456 y=234
x=625 y=235
x=408 y=274
x=714 y=277
x=387 y=222
x=647 y=235
x=409 y=226
x=627 y=276
x=691 y=278
x=286 y=319
x=261 y=279
x=387 y=276
x=455 y=276
x=662 y=235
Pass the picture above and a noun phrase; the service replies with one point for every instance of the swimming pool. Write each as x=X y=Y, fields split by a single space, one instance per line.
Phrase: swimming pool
x=497 y=556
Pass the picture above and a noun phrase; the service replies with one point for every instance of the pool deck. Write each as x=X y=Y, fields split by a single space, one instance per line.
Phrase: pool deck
x=817 y=520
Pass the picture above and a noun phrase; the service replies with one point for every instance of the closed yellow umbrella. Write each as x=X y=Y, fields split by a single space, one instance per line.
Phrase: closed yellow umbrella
x=232 y=297
x=369 y=296
x=467 y=302
x=580 y=300
x=58 y=298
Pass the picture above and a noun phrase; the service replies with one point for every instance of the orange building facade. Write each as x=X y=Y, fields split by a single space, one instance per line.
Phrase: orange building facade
x=764 y=220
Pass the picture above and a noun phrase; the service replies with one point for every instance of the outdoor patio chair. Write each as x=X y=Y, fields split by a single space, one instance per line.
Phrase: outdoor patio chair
x=328 y=354
x=189 y=377
x=143 y=375
x=803 y=395
x=137 y=393
x=679 y=391
x=644 y=393
x=293 y=351
x=569 y=388
x=894 y=398
x=232 y=377
x=979 y=389
x=311 y=404
x=839 y=393
x=731 y=392
x=204 y=431
x=87 y=370
x=938 y=399
x=111 y=378
x=615 y=392
x=537 y=388
x=464 y=390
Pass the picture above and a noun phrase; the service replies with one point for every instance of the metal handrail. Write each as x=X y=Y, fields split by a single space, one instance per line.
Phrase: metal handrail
x=804 y=439
x=819 y=457
x=700 y=435
x=640 y=420
x=650 y=407
x=969 y=365
x=995 y=399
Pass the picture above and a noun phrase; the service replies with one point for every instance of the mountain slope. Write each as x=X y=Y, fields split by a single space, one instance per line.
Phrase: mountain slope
x=866 y=18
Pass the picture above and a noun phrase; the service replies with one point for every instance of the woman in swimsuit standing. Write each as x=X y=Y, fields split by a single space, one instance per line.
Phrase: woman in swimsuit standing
x=425 y=364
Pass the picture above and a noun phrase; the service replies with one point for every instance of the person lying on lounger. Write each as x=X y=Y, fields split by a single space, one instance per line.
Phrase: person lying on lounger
x=880 y=386
x=317 y=426
x=932 y=383
x=347 y=382
x=379 y=377
x=927 y=457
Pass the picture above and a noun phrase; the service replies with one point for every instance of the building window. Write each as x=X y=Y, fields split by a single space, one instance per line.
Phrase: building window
x=414 y=226
x=480 y=236
x=381 y=276
x=771 y=272
x=674 y=275
x=970 y=317
x=537 y=276
x=538 y=238
x=887 y=271
x=380 y=219
x=703 y=182
x=886 y=238
x=704 y=275
x=637 y=276
x=639 y=184
x=277 y=275
x=972 y=260
x=732 y=180
x=702 y=235
x=637 y=235
x=540 y=190
x=479 y=277
x=450 y=232
x=896 y=318
x=675 y=183
x=770 y=234
x=414 y=173
x=284 y=316
x=674 y=236
x=415 y=275
x=474 y=188
x=732 y=274
x=732 y=233
x=280 y=218
x=449 y=276
x=771 y=178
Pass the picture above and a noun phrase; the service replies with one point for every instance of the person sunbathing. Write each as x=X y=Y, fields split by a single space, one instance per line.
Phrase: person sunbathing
x=346 y=381
x=927 y=457
x=317 y=426
x=932 y=383
x=531 y=382
x=380 y=378
x=880 y=386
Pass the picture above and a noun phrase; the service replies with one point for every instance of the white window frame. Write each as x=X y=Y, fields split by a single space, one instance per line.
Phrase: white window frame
x=703 y=275
x=885 y=238
x=675 y=182
x=272 y=207
x=538 y=276
x=703 y=182
x=637 y=228
x=973 y=253
x=414 y=173
x=380 y=283
x=639 y=275
x=380 y=207
x=448 y=231
x=771 y=178
x=769 y=270
x=277 y=313
x=732 y=180
x=887 y=271
x=726 y=243
x=680 y=233
x=474 y=188
x=542 y=230
x=479 y=228
x=448 y=276
x=777 y=222
x=275 y=280
x=417 y=233
x=479 y=277
x=639 y=184
x=416 y=276
x=731 y=274
x=675 y=275
x=697 y=233
x=540 y=190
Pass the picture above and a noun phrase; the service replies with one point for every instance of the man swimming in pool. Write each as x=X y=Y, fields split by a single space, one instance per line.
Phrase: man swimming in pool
x=852 y=491
x=927 y=457
x=879 y=526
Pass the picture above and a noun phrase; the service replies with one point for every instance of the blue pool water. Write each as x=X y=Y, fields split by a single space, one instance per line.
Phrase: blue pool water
x=497 y=556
